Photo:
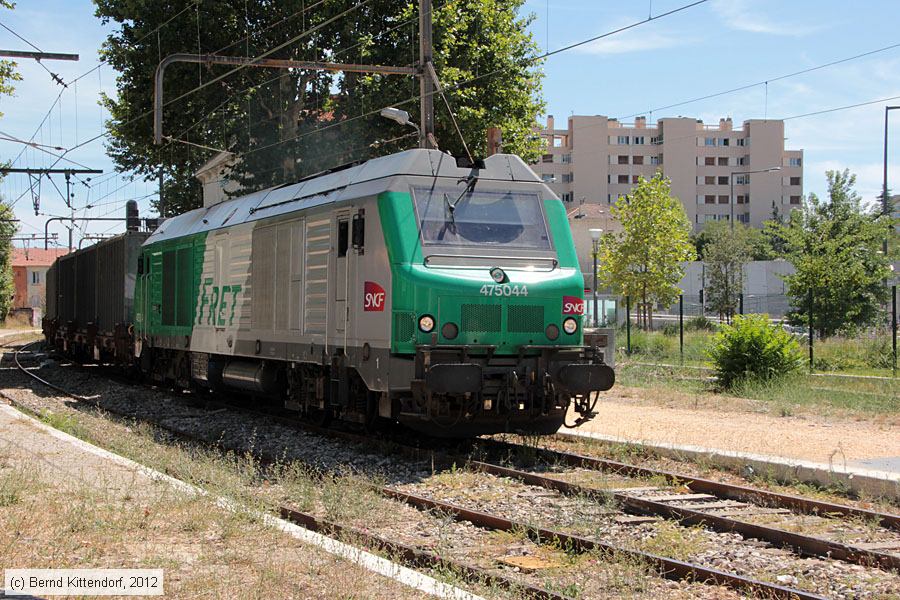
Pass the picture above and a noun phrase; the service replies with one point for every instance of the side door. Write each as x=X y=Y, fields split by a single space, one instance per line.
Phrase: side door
x=342 y=272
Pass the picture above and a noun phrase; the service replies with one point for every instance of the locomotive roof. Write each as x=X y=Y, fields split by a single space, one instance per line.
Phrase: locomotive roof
x=366 y=179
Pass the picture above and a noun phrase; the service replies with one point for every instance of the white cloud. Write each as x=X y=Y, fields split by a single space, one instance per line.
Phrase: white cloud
x=741 y=15
x=635 y=41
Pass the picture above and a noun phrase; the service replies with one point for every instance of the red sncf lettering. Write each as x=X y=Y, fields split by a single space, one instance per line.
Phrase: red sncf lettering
x=572 y=305
x=373 y=297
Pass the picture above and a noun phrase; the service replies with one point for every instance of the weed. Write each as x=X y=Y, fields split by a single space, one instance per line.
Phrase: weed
x=675 y=541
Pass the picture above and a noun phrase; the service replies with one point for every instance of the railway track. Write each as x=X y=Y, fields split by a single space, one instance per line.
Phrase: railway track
x=632 y=501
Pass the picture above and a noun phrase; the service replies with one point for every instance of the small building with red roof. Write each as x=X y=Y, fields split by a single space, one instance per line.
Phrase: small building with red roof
x=29 y=267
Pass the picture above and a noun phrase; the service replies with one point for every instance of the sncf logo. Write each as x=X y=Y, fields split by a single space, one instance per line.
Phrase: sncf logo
x=373 y=297
x=572 y=305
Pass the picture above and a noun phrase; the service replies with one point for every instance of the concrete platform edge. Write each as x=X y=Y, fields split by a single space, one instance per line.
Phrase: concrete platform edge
x=861 y=481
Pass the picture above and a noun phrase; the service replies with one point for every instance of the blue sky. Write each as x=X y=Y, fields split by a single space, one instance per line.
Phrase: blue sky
x=707 y=49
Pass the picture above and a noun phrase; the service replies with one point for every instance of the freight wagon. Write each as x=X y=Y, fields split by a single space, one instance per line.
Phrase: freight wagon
x=89 y=299
x=447 y=298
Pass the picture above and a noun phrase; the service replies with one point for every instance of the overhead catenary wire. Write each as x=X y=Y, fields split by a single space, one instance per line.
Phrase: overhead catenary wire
x=766 y=81
x=55 y=76
x=525 y=62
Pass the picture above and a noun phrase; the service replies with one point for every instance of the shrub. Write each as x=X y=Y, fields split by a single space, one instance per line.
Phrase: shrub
x=670 y=330
x=755 y=350
x=699 y=323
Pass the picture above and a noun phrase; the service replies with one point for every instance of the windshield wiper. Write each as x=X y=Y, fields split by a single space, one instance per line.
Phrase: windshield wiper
x=471 y=180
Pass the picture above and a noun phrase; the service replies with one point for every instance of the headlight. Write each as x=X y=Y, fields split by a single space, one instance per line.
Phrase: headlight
x=552 y=332
x=498 y=275
x=426 y=323
x=450 y=331
x=570 y=325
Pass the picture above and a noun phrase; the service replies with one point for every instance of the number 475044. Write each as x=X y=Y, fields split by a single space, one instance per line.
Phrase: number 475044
x=504 y=290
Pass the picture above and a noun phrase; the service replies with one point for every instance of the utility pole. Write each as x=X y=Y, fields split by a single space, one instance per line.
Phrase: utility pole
x=885 y=199
x=162 y=202
x=426 y=85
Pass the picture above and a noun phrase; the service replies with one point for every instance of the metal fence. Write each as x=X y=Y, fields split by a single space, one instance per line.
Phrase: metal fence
x=865 y=350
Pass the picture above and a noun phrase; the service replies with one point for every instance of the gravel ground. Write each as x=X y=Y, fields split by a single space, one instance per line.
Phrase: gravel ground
x=675 y=417
x=492 y=494
x=612 y=451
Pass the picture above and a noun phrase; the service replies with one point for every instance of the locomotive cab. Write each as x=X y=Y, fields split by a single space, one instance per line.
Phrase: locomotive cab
x=487 y=307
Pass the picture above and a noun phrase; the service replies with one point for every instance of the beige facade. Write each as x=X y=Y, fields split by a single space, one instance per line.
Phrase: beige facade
x=595 y=160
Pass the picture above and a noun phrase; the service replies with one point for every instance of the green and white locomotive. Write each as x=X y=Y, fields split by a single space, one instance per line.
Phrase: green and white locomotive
x=446 y=298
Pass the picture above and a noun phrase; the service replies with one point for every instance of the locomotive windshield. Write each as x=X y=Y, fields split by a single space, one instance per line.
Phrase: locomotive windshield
x=481 y=218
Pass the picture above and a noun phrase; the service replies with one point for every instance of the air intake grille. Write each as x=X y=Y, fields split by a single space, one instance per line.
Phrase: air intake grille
x=404 y=326
x=480 y=318
x=525 y=318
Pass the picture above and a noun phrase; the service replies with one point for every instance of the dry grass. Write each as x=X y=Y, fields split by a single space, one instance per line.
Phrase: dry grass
x=205 y=551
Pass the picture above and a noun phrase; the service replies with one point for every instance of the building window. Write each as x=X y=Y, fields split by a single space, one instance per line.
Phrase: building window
x=635 y=179
x=567 y=159
x=557 y=142
x=637 y=160
x=567 y=197
x=709 y=161
x=743 y=141
x=656 y=140
x=709 y=180
x=568 y=177
x=723 y=199
x=795 y=181
x=639 y=140
x=709 y=199
x=726 y=141
x=656 y=160
x=723 y=161
x=35 y=277
x=547 y=158
x=744 y=218
x=795 y=162
x=795 y=199
x=742 y=199
x=622 y=140
x=710 y=141
x=548 y=177
x=623 y=160
x=742 y=179
x=743 y=161
x=623 y=178
x=723 y=180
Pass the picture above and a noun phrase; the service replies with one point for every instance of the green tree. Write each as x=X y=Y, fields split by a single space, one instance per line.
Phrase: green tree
x=644 y=260
x=725 y=256
x=835 y=247
x=8 y=75
x=7 y=230
x=287 y=124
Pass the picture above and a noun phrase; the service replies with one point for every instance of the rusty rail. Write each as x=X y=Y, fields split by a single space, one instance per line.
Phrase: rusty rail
x=714 y=488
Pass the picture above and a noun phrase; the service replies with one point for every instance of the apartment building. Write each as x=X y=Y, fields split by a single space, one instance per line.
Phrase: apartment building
x=598 y=159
